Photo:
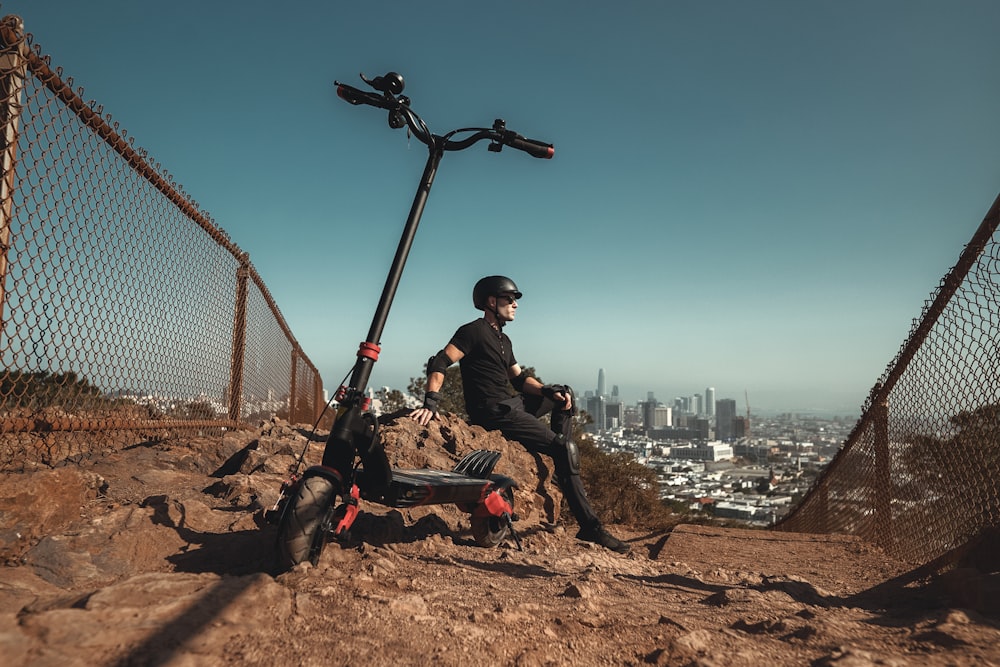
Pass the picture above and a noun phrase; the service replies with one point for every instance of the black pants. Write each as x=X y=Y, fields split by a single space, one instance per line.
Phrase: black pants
x=517 y=419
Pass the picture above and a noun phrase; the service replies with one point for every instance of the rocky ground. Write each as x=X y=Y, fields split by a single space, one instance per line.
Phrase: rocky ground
x=158 y=555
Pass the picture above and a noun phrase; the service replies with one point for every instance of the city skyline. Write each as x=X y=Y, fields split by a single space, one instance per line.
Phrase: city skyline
x=763 y=195
x=708 y=399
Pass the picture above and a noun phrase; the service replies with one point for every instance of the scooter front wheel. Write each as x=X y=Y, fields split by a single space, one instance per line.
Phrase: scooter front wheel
x=305 y=521
x=489 y=531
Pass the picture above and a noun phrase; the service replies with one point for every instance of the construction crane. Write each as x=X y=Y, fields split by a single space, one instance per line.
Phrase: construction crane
x=746 y=396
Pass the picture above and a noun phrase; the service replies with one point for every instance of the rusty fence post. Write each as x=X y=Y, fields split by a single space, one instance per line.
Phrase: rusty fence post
x=239 y=340
x=883 y=478
x=13 y=69
x=318 y=403
x=293 y=395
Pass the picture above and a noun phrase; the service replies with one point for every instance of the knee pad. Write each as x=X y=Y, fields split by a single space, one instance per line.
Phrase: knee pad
x=572 y=453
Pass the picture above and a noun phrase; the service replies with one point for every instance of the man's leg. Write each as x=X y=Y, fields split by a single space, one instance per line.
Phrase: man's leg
x=524 y=427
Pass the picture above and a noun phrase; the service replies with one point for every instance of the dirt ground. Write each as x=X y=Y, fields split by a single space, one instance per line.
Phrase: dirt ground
x=158 y=555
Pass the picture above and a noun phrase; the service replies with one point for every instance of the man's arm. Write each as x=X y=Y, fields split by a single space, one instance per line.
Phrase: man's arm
x=435 y=380
x=530 y=385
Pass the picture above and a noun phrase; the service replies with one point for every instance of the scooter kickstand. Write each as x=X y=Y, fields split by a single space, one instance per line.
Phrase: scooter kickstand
x=513 y=533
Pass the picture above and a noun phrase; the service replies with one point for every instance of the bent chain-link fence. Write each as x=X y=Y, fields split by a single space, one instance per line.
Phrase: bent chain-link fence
x=125 y=313
x=920 y=473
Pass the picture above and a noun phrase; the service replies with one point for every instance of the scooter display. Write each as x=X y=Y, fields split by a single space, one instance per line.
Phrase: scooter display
x=354 y=464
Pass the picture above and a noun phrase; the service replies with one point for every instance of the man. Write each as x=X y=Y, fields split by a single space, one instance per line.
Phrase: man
x=487 y=364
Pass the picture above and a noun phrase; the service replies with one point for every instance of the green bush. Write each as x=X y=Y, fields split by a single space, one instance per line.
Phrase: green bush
x=622 y=490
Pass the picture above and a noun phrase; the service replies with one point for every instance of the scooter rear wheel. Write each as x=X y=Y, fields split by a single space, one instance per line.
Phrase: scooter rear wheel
x=490 y=531
x=304 y=524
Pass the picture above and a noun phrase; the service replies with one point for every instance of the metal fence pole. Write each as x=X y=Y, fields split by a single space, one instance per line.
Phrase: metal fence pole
x=293 y=395
x=13 y=68
x=318 y=403
x=239 y=340
x=883 y=477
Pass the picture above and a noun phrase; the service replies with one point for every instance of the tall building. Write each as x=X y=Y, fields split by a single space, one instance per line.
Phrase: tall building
x=614 y=415
x=655 y=415
x=725 y=414
x=600 y=383
x=597 y=408
x=710 y=401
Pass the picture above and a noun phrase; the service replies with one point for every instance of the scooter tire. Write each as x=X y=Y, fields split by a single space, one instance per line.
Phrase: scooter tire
x=490 y=531
x=302 y=531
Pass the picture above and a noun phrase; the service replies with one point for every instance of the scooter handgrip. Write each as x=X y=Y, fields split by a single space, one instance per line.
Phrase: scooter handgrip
x=352 y=95
x=533 y=148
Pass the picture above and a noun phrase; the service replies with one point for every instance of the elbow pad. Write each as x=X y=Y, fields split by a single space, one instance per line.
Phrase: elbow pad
x=518 y=382
x=439 y=363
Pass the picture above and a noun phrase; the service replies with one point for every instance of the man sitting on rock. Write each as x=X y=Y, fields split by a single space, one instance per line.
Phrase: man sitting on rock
x=487 y=363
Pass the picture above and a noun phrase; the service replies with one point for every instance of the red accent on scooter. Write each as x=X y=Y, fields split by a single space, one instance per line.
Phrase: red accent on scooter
x=369 y=351
x=351 y=512
x=496 y=505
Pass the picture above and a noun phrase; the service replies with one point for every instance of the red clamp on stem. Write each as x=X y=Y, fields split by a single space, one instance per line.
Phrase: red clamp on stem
x=369 y=351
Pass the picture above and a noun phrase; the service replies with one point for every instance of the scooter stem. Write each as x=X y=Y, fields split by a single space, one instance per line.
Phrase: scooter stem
x=362 y=372
x=346 y=435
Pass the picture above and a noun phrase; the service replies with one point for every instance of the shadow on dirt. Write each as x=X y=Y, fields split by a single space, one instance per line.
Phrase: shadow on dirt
x=228 y=553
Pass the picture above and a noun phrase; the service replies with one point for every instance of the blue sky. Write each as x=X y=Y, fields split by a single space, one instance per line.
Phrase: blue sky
x=753 y=196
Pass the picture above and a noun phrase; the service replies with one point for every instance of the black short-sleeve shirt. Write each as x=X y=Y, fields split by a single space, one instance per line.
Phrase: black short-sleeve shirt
x=488 y=355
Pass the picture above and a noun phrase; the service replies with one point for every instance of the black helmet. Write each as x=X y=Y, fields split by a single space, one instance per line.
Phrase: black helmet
x=493 y=286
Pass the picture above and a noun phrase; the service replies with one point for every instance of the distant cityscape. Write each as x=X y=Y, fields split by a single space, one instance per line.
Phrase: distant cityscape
x=710 y=457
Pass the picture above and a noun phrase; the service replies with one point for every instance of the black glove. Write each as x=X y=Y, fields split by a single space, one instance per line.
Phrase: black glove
x=549 y=391
x=431 y=399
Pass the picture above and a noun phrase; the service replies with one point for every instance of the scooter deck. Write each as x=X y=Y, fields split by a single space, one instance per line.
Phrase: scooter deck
x=410 y=488
x=469 y=482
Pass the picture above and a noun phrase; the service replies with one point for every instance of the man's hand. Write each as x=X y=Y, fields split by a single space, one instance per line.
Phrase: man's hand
x=424 y=414
x=558 y=394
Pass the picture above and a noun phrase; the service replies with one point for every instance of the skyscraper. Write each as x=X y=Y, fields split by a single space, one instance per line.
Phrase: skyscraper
x=614 y=415
x=597 y=407
x=600 y=383
x=710 y=401
x=725 y=413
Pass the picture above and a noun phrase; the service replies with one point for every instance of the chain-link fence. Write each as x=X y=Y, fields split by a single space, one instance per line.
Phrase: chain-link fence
x=125 y=312
x=920 y=473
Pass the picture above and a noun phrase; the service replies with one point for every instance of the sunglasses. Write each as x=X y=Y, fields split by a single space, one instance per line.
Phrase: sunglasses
x=510 y=298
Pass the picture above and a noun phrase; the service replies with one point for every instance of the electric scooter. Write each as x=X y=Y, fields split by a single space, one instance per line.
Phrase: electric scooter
x=354 y=465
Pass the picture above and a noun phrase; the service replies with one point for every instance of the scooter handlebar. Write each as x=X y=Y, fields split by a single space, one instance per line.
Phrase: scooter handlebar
x=398 y=106
x=534 y=148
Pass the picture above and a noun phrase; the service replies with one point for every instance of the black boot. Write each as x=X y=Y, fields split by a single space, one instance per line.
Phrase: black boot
x=598 y=535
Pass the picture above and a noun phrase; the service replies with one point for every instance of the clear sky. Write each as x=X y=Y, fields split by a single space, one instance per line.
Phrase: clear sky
x=754 y=196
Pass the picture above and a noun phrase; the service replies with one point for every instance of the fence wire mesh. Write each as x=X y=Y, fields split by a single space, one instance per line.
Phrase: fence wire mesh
x=920 y=473
x=125 y=312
